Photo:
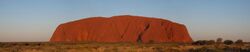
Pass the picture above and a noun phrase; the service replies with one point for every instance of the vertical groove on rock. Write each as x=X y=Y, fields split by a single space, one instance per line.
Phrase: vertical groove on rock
x=126 y=29
x=139 y=39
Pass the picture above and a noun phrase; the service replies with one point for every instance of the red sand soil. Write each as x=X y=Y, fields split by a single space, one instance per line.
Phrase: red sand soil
x=123 y=28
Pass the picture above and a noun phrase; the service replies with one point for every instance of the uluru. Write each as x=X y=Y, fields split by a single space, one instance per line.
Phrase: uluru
x=122 y=28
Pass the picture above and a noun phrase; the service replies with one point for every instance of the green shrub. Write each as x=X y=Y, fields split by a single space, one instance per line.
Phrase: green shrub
x=210 y=42
x=200 y=42
x=219 y=40
x=228 y=42
x=239 y=41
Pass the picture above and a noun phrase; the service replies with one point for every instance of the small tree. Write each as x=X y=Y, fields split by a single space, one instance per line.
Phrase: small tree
x=228 y=42
x=239 y=42
x=199 y=42
x=210 y=42
x=219 y=40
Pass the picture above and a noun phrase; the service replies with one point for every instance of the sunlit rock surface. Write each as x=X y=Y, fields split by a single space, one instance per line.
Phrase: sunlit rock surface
x=123 y=28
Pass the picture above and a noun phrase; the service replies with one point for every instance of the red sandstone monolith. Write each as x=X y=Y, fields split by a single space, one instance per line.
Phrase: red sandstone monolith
x=124 y=28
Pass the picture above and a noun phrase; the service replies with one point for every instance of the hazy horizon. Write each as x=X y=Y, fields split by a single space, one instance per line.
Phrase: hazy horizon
x=36 y=20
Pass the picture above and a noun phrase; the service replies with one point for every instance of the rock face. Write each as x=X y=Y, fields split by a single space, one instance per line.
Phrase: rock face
x=123 y=28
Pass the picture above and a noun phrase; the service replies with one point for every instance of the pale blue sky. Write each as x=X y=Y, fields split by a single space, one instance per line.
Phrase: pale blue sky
x=36 y=20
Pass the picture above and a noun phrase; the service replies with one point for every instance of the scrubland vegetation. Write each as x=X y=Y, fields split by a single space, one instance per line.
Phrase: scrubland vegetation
x=197 y=46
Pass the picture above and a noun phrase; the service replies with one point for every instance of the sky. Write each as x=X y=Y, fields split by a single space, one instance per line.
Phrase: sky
x=36 y=20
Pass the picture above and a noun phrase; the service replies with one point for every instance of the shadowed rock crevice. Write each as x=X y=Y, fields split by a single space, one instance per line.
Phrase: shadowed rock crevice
x=139 y=39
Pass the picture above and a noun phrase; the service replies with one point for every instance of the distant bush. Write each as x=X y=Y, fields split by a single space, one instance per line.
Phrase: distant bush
x=219 y=40
x=204 y=42
x=200 y=42
x=196 y=42
x=239 y=41
x=228 y=42
x=210 y=42
x=1 y=44
x=205 y=49
x=226 y=49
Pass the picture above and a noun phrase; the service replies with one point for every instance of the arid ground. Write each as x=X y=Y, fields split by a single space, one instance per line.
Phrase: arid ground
x=118 y=47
